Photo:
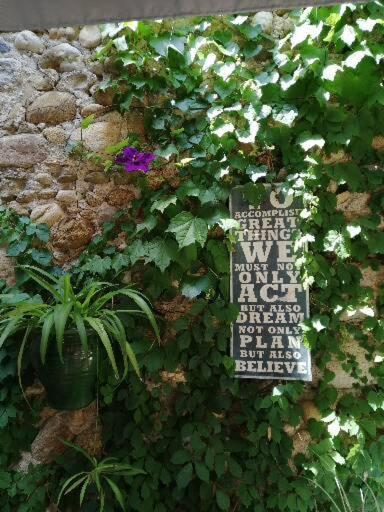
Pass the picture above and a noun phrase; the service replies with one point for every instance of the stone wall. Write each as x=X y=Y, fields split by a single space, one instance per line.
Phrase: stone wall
x=48 y=83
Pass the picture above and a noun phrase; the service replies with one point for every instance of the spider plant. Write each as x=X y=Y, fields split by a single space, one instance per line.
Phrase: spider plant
x=101 y=476
x=365 y=496
x=88 y=313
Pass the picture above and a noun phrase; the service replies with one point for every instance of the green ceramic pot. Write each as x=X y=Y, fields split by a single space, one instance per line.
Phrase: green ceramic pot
x=69 y=385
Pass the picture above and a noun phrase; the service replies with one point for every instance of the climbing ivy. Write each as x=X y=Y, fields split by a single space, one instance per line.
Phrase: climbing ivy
x=226 y=104
x=23 y=238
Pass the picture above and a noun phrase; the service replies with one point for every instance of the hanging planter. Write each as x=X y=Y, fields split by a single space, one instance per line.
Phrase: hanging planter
x=71 y=326
x=70 y=384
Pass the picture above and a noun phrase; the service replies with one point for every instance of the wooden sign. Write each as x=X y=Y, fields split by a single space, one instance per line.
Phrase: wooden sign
x=265 y=285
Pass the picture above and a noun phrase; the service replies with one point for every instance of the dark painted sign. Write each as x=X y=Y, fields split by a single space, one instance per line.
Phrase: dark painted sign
x=266 y=287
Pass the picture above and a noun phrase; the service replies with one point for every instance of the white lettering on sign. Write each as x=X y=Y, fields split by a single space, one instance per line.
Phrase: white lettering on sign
x=267 y=340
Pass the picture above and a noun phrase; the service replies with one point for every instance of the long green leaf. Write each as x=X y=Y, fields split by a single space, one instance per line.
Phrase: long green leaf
x=45 y=333
x=92 y=460
x=102 y=501
x=67 y=288
x=75 y=484
x=133 y=360
x=98 y=285
x=116 y=491
x=9 y=329
x=101 y=301
x=83 y=489
x=81 y=330
x=98 y=326
x=44 y=284
x=142 y=304
x=118 y=467
x=20 y=361
x=117 y=329
x=108 y=460
x=94 y=289
x=22 y=309
x=67 y=483
x=139 y=300
x=60 y=314
x=40 y=271
x=97 y=481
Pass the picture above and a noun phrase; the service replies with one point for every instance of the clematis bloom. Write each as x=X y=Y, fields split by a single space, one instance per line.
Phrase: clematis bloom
x=134 y=160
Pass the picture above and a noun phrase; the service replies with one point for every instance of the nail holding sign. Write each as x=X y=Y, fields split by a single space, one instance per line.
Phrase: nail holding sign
x=265 y=285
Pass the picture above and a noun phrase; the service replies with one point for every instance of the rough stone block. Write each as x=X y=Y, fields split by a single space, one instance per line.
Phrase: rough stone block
x=52 y=107
x=57 y=56
x=90 y=36
x=28 y=41
x=22 y=150
x=47 y=214
x=353 y=204
x=101 y=134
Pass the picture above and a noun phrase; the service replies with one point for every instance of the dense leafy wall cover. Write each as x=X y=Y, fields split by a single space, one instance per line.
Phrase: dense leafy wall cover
x=227 y=105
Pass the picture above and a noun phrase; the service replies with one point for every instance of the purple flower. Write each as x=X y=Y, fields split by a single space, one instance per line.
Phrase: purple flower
x=133 y=160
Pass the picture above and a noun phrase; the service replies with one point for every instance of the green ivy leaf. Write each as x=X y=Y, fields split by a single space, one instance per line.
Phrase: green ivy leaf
x=375 y=242
x=222 y=500
x=308 y=141
x=136 y=251
x=97 y=265
x=17 y=248
x=148 y=224
x=254 y=193
x=192 y=286
x=41 y=256
x=188 y=229
x=184 y=476
x=162 y=204
x=120 y=261
x=320 y=322
x=163 y=43
x=338 y=243
x=160 y=252
x=202 y=471
x=181 y=457
x=220 y=256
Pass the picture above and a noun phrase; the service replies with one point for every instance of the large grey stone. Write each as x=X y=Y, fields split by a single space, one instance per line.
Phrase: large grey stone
x=44 y=179
x=92 y=108
x=52 y=107
x=264 y=19
x=97 y=178
x=68 y=33
x=99 y=135
x=27 y=195
x=80 y=80
x=47 y=214
x=10 y=73
x=67 y=196
x=90 y=36
x=45 y=81
x=57 y=56
x=22 y=150
x=56 y=135
x=28 y=41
